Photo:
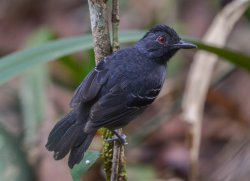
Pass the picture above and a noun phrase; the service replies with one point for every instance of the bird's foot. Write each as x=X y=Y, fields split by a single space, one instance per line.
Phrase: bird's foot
x=121 y=139
x=118 y=137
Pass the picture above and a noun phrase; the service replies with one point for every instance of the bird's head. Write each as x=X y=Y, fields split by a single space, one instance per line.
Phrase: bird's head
x=161 y=43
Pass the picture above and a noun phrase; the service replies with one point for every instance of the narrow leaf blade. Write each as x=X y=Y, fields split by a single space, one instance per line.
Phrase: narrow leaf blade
x=18 y=62
x=236 y=58
x=89 y=159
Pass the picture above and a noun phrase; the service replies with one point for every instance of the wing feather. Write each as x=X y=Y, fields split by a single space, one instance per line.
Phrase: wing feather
x=90 y=86
x=117 y=108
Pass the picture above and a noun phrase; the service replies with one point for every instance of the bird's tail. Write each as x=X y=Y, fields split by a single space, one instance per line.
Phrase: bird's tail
x=68 y=136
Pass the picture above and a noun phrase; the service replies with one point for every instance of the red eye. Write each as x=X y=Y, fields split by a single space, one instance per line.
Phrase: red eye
x=161 y=39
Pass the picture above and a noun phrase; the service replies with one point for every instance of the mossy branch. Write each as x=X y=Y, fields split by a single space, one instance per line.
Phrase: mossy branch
x=119 y=163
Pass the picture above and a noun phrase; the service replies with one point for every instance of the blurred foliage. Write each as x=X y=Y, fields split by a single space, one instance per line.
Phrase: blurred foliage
x=13 y=164
x=236 y=58
x=32 y=92
x=33 y=100
x=32 y=97
x=18 y=62
x=247 y=14
x=141 y=172
x=74 y=70
x=35 y=81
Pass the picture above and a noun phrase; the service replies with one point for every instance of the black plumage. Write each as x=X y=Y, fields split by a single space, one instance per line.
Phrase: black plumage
x=115 y=92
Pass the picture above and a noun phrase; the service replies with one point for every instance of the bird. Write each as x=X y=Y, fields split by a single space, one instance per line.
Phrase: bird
x=118 y=89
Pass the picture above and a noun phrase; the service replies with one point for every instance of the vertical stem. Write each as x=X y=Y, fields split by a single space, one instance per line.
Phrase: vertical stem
x=115 y=25
x=118 y=171
x=118 y=162
x=99 y=26
x=195 y=134
x=102 y=48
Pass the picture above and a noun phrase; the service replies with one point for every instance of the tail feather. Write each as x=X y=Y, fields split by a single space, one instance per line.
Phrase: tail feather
x=68 y=136
x=67 y=141
x=77 y=153
x=59 y=129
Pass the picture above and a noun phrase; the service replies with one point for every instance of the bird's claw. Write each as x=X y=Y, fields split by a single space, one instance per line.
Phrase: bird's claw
x=121 y=138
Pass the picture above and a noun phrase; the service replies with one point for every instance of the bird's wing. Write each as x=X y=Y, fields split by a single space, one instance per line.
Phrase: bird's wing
x=117 y=108
x=90 y=86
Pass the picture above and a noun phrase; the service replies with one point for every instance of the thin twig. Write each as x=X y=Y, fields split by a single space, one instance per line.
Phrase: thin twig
x=115 y=25
x=118 y=162
x=118 y=171
x=201 y=73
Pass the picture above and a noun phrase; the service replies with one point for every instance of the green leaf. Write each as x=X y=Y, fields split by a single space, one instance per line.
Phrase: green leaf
x=89 y=159
x=18 y=62
x=236 y=58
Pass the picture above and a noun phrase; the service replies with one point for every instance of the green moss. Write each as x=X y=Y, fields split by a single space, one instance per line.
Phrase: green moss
x=107 y=153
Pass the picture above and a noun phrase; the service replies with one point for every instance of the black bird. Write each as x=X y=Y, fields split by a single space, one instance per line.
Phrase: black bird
x=115 y=92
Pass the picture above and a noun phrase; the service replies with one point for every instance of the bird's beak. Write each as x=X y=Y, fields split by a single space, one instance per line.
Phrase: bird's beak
x=184 y=45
